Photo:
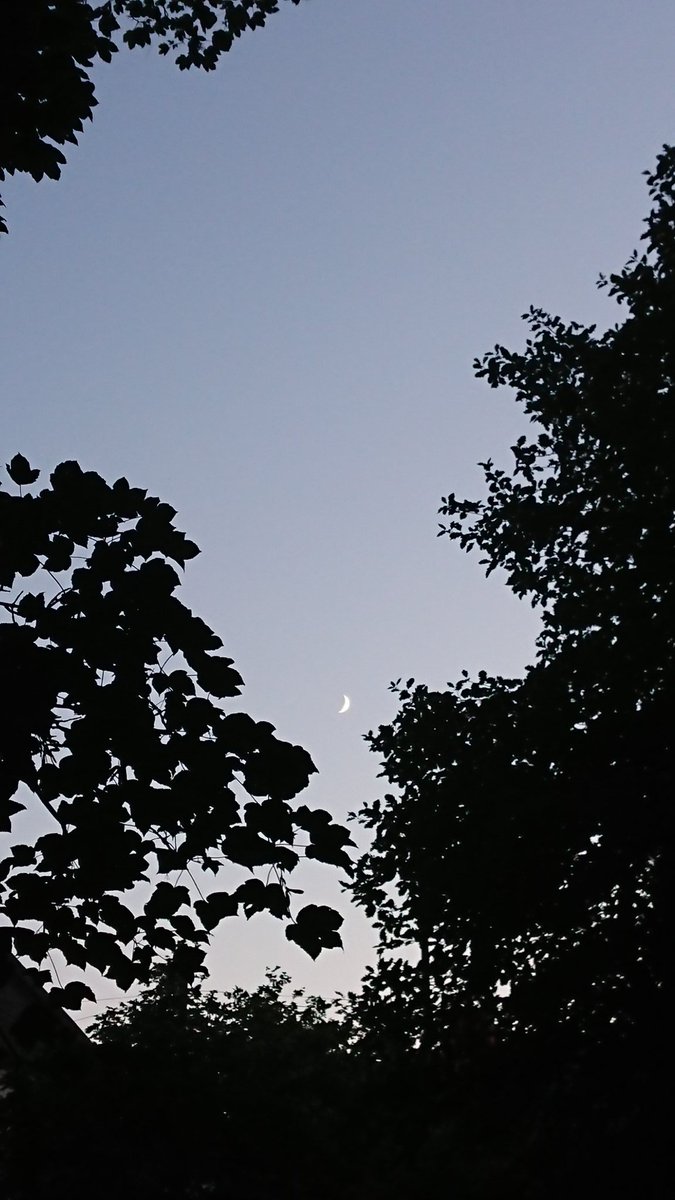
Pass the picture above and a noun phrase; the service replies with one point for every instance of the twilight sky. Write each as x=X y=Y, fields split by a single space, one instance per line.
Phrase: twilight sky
x=259 y=294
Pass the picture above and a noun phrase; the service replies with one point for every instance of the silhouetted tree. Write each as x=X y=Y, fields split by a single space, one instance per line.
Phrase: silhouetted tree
x=112 y=727
x=530 y=843
x=47 y=49
x=174 y=1097
x=187 y=1093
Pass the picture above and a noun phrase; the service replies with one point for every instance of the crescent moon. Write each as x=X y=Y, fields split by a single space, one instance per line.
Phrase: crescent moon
x=345 y=705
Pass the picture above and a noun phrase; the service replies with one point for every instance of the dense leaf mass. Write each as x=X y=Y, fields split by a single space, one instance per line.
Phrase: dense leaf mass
x=530 y=842
x=185 y=1094
x=268 y=1094
x=113 y=723
x=196 y=32
x=47 y=48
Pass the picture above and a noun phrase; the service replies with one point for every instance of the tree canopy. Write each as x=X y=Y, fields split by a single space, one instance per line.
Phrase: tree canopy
x=270 y=1093
x=530 y=842
x=187 y=1092
x=184 y=1093
x=48 y=48
x=115 y=729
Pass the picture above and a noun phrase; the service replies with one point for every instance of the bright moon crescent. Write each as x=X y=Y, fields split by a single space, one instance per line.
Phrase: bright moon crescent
x=345 y=704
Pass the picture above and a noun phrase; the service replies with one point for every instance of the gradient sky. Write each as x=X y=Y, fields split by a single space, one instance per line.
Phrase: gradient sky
x=259 y=294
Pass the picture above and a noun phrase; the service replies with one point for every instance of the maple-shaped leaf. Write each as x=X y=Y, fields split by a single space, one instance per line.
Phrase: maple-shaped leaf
x=20 y=470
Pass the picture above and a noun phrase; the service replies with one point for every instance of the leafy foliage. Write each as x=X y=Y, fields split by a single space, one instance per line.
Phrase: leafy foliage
x=45 y=91
x=113 y=723
x=530 y=842
x=196 y=32
x=47 y=48
x=186 y=1093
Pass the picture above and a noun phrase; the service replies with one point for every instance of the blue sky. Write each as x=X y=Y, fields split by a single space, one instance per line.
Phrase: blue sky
x=259 y=293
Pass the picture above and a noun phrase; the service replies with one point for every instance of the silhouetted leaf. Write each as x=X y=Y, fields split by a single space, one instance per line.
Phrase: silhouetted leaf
x=215 y=907
x=23 y=856
x=166 y=900
x=73 y=994
x=217 y=676
x=20 y=470
x=315 y=929
x=256 y=896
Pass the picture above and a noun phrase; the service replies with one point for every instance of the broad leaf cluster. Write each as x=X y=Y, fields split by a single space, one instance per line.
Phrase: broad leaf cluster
x=48 y=47
x=114 y=724
x=196 y=32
